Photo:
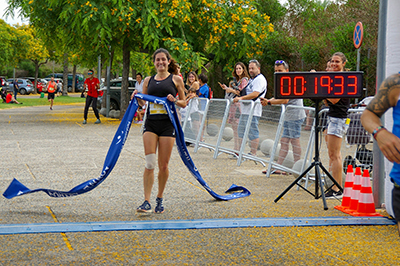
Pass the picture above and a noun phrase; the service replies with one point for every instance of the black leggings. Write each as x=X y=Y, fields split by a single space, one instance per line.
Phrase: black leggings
x=91 y=101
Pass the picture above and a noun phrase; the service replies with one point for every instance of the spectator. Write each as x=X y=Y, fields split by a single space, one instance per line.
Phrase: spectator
x=16 y=88
x=178 y=68
x=10 y=98
x=241 y=78
x=92 y=84
x=294 y=118
x=257 y=87
x=328 y=65
x=140 y=114
x=388 y=96
x=192 y=81
x=3 y=94
x=139 y=87
x=194 y=114
x=204 y=90
x=337 y=116
x=139 y=82
x=159 y=132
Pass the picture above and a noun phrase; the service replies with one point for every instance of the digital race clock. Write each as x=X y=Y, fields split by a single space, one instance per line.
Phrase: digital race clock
x=318 y=85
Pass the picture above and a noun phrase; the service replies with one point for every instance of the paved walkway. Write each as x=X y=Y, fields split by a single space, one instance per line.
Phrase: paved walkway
x=52 y=149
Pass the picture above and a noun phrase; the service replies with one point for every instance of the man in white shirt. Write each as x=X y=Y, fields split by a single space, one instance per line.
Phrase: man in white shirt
x=139 y=82
x=294 y=118
x=256 y=88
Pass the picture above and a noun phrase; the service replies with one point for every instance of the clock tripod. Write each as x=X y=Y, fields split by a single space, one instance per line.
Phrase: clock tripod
x=317 y=164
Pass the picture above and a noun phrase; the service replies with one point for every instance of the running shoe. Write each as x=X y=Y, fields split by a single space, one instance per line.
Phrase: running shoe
x=97 y=121
x=84 y=122
x=159 y=208
x=331 y=194
x=145 y=207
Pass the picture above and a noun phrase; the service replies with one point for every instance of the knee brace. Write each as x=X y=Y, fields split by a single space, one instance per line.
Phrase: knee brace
x=151 y=161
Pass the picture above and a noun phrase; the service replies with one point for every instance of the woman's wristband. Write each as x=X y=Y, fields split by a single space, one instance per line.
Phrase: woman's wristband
x=377 y=130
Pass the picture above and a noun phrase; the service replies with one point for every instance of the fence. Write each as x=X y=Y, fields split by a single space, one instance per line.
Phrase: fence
x=213 y=124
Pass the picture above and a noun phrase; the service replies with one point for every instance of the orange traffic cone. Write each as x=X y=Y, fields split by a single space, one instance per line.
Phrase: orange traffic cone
x=366 y=205
x=355 y=192
x=348 y=187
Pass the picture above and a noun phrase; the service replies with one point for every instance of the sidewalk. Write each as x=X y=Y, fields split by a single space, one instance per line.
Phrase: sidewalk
x=52 y=149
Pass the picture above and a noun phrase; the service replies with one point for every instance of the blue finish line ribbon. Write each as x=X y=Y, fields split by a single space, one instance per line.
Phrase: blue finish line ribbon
x=16 y=188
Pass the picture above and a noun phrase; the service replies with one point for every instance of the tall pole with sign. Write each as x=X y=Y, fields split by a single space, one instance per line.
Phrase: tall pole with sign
x=358 y=35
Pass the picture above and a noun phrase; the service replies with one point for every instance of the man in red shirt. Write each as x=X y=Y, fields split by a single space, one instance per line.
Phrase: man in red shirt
x=10 y=98
x=92 y=85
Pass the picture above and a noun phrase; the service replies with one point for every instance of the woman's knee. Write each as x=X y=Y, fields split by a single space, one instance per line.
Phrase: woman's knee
x=162 y=167
x=335 y=155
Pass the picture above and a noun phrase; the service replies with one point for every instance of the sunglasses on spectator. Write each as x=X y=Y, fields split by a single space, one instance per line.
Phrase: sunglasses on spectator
x=279 y=62
x=90 y=73
x=253 y=61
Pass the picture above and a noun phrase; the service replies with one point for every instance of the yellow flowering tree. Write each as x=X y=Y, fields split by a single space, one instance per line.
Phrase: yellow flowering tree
x=36 y=50
x=190 y=30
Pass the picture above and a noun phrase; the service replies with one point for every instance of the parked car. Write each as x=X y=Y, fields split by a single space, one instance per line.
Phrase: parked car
x=25 y=86
x=58 y=81
x=4 y=83
x=40 y=85
x=115 y=92
x=80 y=79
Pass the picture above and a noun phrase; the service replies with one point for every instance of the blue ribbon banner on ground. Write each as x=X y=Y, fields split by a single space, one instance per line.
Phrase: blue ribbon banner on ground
x=16 y=188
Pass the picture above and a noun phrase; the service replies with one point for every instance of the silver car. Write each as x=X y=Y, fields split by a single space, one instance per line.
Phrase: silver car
x=24 y=85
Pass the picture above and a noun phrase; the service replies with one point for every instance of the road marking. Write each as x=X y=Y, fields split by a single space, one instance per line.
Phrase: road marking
x=66 y=240
x=41 y=228
x=29 y=170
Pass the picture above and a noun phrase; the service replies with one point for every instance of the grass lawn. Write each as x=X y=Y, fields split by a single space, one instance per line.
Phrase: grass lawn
x=42 y=101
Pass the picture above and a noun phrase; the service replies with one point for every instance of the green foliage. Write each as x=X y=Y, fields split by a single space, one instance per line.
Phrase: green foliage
x=141 y=62
x=216 y=34
x=28 y=66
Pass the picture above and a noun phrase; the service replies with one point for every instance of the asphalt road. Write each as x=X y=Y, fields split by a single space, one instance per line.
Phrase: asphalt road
x=52 y=149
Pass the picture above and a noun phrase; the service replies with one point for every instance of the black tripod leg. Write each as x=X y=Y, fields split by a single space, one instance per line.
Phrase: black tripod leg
x=318 y=181
x=331 y=178
x=295 y=182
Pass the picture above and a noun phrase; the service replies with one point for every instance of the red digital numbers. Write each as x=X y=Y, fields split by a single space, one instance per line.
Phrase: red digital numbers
x=340 y=85
x=354 y=85
x=289 y=86
x=325 y=82
x=296 y=86
x=315 y=85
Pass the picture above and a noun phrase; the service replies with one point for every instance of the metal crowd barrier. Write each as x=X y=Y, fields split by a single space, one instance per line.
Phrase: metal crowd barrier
x=356 y=146
x=212 y=125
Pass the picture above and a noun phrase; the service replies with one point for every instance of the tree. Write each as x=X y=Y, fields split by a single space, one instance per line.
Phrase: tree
x=189 y=29
x=35 y=51
x=13 y=43
x=8 y=37
x=311 y=31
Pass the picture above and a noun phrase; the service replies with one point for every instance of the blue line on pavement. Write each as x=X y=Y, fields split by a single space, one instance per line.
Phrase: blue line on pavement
x=7 y=229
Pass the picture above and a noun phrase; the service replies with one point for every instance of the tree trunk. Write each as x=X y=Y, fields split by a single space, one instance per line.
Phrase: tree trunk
x=126 y=58
x=74 y=79
x=65 y=76
x=104 y=102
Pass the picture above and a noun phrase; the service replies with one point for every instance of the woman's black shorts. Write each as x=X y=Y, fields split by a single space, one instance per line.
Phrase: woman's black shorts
x=162 y=128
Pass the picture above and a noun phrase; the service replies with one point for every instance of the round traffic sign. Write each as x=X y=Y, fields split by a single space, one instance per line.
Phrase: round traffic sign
x=358 y=35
